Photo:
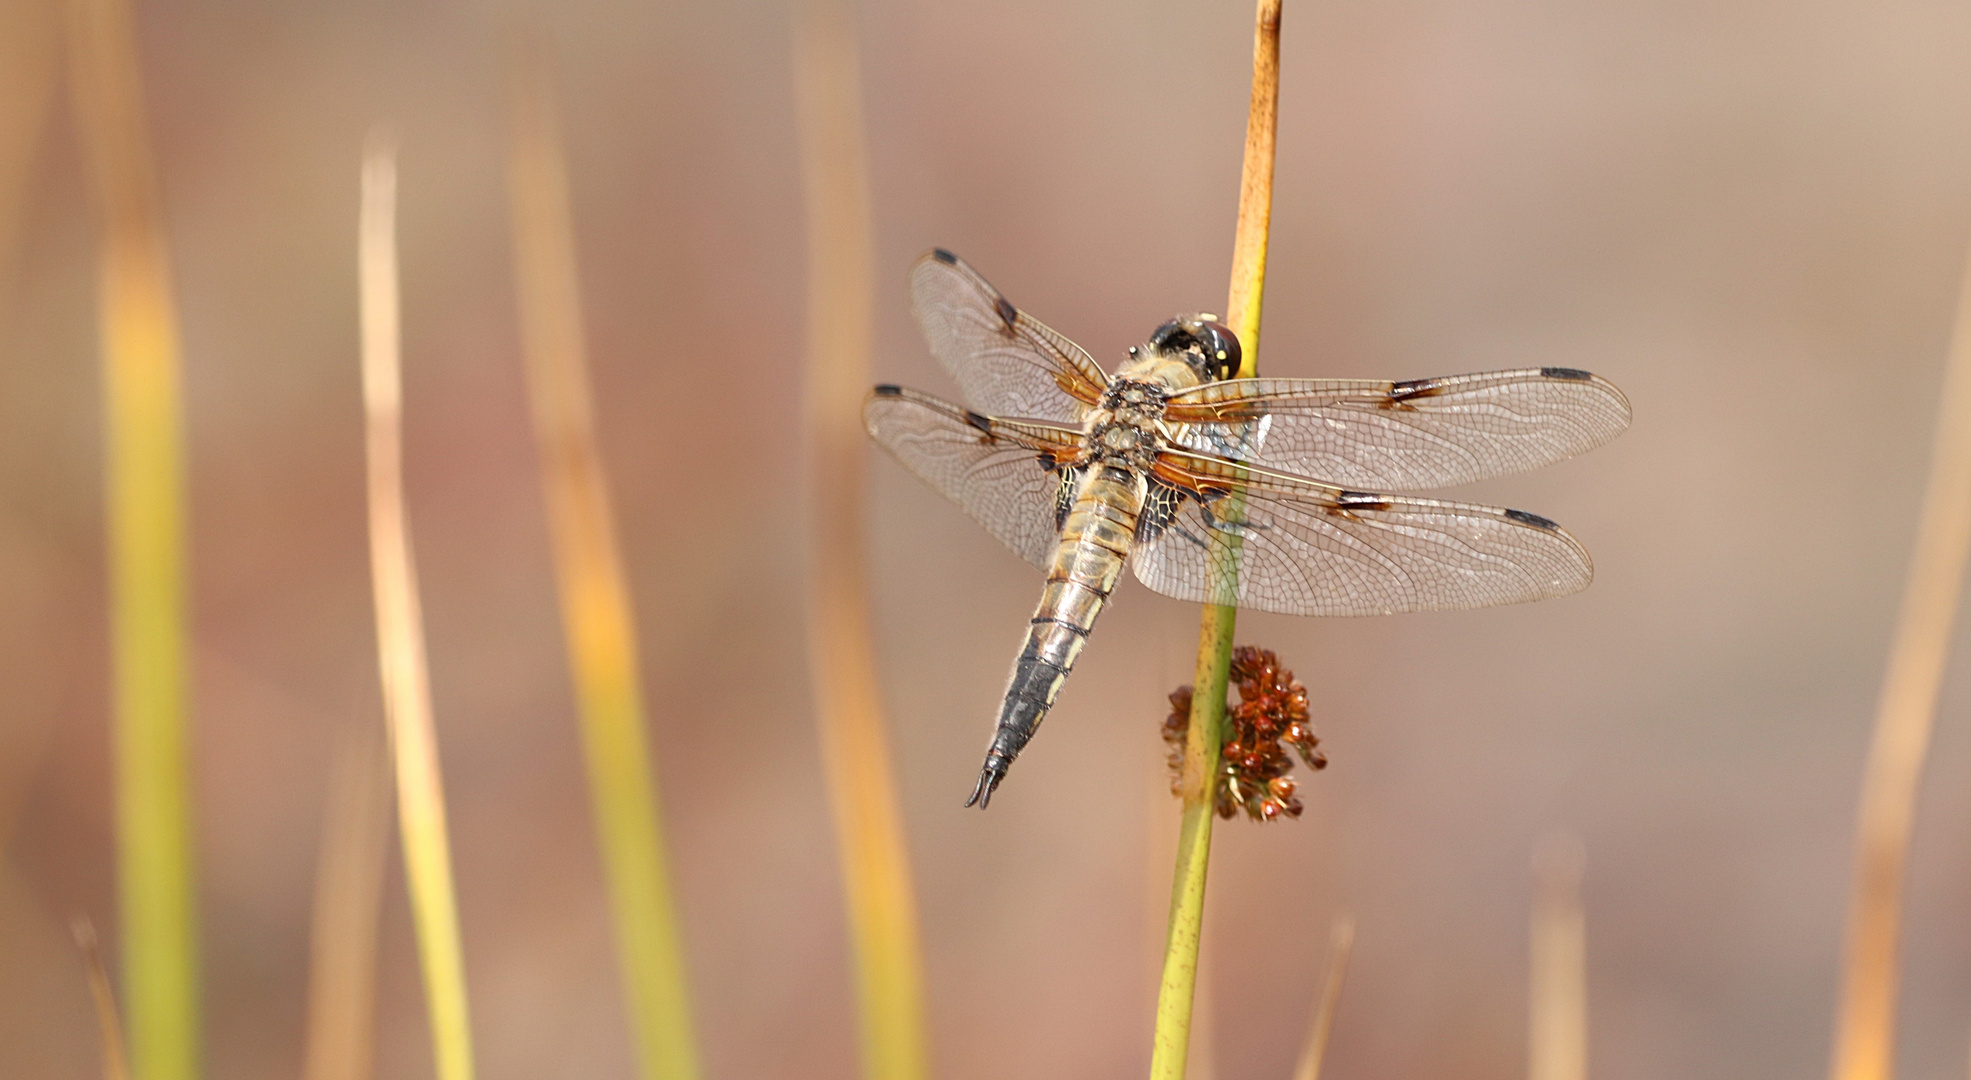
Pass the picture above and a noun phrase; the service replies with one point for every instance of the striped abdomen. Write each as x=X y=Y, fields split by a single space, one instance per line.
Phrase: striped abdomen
x=1095 y=542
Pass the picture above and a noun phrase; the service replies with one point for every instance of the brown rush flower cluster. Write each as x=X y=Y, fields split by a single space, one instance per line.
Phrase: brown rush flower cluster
x=1270 y=717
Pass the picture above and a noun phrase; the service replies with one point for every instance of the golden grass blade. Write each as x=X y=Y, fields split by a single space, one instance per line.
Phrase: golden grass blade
x=1864 y=1045
x=1557 y=1036
x=144 y=489
x=348 y=905
x=1904 y=716
x=1341 y=943
x=115 y=1065
x=848 y=702
x=1203 y=741
x=595 y=604
x=400 y=629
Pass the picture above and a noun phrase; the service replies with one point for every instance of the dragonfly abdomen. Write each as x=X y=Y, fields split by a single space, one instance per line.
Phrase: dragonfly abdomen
x=1095 y=542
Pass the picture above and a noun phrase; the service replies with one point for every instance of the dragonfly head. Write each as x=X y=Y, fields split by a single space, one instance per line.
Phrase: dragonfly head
x=1207 y=345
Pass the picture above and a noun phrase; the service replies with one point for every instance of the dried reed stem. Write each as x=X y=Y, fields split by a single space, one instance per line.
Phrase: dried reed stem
x=348 y=905
x=1341 y=942
x=1204 y=738
x=116 y=1065
x=144 y=488
x=855 y=748
x=1557 y=1031
x=400 y=629
x=1864 y=1046
x=596 y=617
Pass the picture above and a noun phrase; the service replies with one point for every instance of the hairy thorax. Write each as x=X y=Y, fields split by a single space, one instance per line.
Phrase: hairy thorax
x=1124 y=427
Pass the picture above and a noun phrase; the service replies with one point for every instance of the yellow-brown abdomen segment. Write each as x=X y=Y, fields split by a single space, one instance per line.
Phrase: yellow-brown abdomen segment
x=1095 y=542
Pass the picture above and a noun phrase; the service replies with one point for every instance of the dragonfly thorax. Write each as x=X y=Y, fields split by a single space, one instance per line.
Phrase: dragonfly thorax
x=1123 y=427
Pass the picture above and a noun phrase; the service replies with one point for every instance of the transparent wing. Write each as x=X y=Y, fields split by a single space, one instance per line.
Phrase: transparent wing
x=1006 y=362
x=1302 y=548
x=1406 y=436
x=1005 y=473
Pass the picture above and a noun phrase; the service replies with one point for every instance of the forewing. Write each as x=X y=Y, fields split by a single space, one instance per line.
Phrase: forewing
x=1405 y=436
x=1002 y=472
x=1006 y=362
x=1302 y=548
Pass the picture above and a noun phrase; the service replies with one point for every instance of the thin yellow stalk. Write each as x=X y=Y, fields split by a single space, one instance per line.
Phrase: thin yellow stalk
x=144 y=488
x=1341 y=942
x=1557 y=990
x=595 y=604
x=1864 y=1045
x=348 y=904
x=848 y=702
x=400 y=629
x=116 y=1065
x=1204 y=737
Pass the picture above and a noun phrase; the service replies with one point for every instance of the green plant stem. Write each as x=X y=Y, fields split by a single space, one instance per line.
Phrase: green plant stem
x=144 y=493
x=1204 y=738
x=1202 y=744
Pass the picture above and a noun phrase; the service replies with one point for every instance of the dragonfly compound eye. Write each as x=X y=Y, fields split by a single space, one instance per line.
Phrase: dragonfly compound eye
x=1208 y=346
x=1173 y=337
x=1221 y=348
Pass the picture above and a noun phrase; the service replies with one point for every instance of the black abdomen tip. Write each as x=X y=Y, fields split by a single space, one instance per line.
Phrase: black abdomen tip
x=989 y=777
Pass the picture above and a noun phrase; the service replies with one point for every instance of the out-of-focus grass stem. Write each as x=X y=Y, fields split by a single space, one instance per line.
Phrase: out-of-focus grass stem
x=400 y=628
x=116 y=1066
x=144 y=489
x=1204 y=737
x=348 y=905
x=1864 y=1043
x=869 y=829
x=595 y=604
x=1341 y=942
x=1557 y=987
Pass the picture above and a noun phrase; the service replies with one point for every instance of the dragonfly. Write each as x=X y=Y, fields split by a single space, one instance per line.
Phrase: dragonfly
x=1264 y=493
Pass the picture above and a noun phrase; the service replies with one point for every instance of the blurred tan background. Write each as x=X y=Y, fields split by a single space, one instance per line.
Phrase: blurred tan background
x=1750 y=215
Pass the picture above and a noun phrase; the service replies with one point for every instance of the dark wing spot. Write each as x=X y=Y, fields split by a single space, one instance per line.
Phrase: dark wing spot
x=1414 y=388
x=983 y=423
x=1048 y=463
x=889 y=390
x=1362 y=500
x=1008 y=314
x=944 y=256
x=1571 y=374
x=1160 y=506
x=1534 y=520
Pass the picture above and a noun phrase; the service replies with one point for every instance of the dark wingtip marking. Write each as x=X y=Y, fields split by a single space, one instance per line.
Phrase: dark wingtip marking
x=1008 y=314
x=1362 y=500
x=1410 y=388
x=1534 y=520
x=983 y=423
x=1571 y=374
x=944 y=256
x=888 y=390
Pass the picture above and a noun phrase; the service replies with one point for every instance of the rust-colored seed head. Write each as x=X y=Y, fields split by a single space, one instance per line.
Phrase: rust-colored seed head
x=1270 y=717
